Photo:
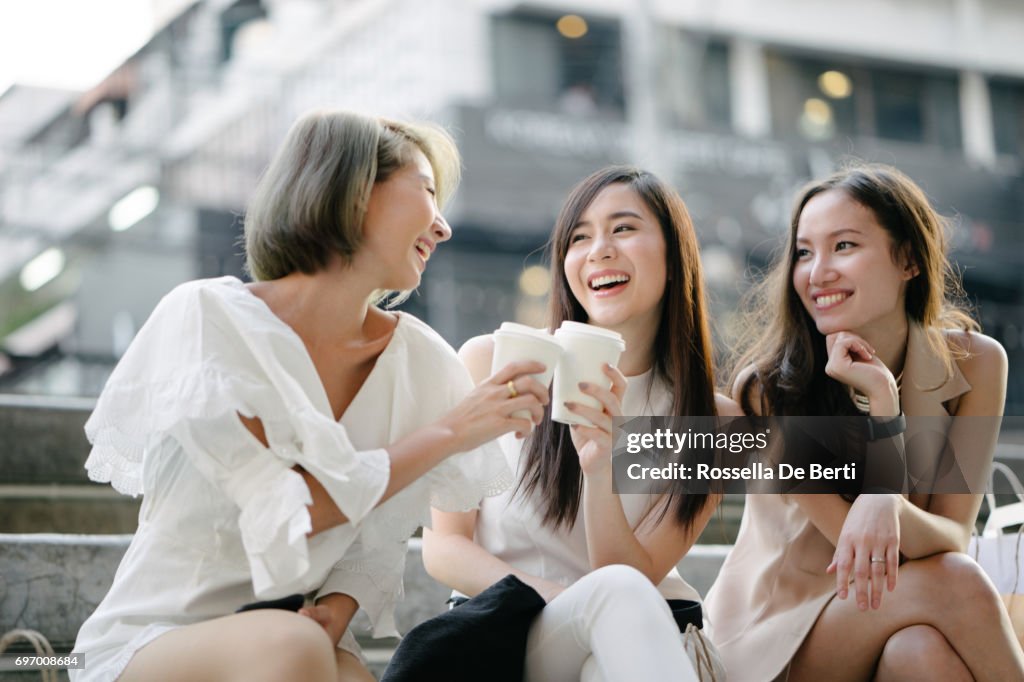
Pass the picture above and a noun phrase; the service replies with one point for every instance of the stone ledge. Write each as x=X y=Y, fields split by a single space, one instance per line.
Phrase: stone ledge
x=51 y=582
x=44 y=440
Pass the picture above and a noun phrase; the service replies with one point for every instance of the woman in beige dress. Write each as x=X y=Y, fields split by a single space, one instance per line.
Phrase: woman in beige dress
x=858 y=318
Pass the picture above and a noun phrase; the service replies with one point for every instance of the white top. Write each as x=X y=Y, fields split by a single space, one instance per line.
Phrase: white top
x=510 y=527
x=224 y=520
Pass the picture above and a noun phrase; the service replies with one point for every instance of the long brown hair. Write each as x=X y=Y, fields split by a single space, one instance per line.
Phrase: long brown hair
x=783 y=354
x=683 y=354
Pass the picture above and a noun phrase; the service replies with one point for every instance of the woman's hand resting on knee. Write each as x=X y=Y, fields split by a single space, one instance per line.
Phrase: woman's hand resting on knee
x=868 y=549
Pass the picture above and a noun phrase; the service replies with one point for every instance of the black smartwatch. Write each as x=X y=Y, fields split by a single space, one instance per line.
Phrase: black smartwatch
x=885 y=427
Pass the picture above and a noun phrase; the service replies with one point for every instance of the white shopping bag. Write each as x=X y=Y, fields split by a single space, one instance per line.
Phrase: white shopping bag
x=999 y=553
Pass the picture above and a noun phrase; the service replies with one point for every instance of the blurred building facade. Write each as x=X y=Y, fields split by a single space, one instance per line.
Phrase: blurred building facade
x=111 y=197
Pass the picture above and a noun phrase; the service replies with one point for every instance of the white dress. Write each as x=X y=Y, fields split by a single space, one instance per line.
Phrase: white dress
x=510 y=527
x=224 y=519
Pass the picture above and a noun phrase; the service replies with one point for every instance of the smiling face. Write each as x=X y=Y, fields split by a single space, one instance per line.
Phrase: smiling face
x=615 y=261
x=845 y=271
x=403 y=226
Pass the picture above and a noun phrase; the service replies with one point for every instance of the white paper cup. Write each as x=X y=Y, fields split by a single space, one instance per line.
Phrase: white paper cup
x=513 y=342
x=585 y=350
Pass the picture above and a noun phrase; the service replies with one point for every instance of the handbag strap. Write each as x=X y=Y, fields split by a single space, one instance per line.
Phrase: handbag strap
x=1007 y=472
x=1016 y=562
x=1008 y=514
x=38 y=642
x=702 y=654
x=1005 y=516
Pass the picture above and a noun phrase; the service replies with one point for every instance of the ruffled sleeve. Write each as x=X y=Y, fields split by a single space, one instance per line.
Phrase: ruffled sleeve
x=272 y=498
x=209 y=352
x=373 y=576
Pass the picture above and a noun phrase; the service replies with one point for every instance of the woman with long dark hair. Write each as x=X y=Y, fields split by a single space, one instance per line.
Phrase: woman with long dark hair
x=624 y=257
x=860 y=316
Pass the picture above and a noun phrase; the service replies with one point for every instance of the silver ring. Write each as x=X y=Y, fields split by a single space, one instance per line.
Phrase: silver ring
x=877 y=560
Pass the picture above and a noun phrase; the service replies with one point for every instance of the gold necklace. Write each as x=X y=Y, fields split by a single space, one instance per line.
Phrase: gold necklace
x=863 y=404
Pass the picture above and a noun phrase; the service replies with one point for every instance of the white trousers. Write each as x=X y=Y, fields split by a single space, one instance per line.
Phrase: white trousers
x=612 y=625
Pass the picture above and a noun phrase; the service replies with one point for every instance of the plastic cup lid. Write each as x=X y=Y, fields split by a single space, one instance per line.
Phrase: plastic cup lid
x=582 y=328
x=513 y=329
x=521 y=329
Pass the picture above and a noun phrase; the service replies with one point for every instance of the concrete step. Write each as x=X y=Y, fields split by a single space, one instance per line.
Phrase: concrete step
x=74 y=508
x=42 y=439
x=43 y=483
x=52 y=582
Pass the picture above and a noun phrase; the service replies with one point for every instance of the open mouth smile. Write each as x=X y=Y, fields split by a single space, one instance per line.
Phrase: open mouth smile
x=608 y=282
x=424 y=249
x=830 y=300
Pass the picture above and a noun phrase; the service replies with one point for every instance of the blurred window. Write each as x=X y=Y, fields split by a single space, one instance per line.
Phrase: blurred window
x=233 y=18
x=538 y=67
x=916 y=107
x=1008 y=115
x=694 y=80
x=817 y=98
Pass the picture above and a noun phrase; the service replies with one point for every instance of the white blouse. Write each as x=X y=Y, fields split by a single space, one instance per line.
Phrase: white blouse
x=510 y=527
x=224 y=519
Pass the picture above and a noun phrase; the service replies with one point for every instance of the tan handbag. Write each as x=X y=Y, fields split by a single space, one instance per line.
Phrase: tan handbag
x=38 y=642
x=703 y=655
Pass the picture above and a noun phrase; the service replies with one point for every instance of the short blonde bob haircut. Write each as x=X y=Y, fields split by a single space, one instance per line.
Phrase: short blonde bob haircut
x=310 y=203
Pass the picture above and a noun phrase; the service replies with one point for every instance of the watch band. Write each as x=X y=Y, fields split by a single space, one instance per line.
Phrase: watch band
x=885 y=427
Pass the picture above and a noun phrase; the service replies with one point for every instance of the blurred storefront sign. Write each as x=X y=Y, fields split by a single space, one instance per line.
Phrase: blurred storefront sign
x=520 y=165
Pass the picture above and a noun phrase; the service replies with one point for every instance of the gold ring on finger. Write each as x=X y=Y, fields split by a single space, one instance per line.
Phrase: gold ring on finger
x=512 y=392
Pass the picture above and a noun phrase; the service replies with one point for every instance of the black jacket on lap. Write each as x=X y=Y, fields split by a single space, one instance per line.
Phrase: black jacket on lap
x=484 y=638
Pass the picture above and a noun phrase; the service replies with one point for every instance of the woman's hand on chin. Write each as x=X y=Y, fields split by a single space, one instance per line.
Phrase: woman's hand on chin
x=594 y=443
x=868 y=550
x=852 y=361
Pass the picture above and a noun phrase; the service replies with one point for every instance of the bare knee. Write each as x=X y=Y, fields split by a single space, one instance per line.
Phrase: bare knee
x=962 y=584
x=256 y=646
x=295 y=647
x=920 y=652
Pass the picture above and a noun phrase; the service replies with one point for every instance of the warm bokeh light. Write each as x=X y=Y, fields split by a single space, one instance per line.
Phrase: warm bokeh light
x=817 y=111
x=534 y=280
x=572 y=26
x=816 y=121
x=835 y=84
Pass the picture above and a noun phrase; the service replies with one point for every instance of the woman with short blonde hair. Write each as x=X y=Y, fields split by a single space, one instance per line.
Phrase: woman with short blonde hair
x=289 y=435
